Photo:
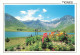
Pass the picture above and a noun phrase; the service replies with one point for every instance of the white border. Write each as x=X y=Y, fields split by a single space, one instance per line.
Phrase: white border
x=75 y=4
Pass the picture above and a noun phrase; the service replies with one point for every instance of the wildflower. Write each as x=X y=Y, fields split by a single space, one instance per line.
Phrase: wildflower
x=49 y=33
x=61 y=33
x=45 y=35
x=52 y=32
x=50 y=36
x=42 y=39
x=57 y=34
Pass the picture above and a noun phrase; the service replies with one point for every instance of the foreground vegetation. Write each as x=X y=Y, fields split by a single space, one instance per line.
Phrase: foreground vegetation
x=59 y=41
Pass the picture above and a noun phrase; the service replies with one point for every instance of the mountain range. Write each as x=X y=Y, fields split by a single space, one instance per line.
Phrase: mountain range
x=12 y=23
x=61 y=23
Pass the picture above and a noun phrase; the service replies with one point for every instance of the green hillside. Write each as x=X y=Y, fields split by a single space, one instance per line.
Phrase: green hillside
x=12 y=24
x=69 y=29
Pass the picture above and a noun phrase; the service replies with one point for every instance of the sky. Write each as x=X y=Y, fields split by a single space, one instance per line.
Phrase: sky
x=39 y=12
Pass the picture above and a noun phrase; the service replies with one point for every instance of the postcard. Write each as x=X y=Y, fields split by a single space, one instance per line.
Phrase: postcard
x=39 y=27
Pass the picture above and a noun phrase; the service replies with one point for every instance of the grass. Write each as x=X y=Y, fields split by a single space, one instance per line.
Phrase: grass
x=15 y=41
x=14 y=29
x=69 y=29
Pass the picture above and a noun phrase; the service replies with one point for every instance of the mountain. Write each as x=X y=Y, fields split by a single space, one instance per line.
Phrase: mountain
x=12 y=24
x=65 y=21
x=56 y=24
x=34 y=24
x=11 y=21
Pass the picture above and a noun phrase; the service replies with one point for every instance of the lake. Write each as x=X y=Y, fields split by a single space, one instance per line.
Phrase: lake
x=25 y=34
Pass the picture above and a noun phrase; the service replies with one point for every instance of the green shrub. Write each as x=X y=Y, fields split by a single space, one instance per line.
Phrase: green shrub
x=40 y=49
x=23 y=48
x=63 y=38
x=7 y=39
x=71 y=40
x=72 y=48
x=31 y=48
x=33 y=41
x=5 y=49
x=18 y=46
x=48 y=39
x=55 y=38
x=44 y=45
x=27 y=41
x=68 y=48
x=50 y=45
x=11 y=49
x=57 y=49
x=36 y=48
x=64 y=48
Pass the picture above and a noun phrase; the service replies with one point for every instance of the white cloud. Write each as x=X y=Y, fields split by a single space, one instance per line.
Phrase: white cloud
x=40 y=15
x=44 y=10
x=31 y=12
x=29 y=16
x=23 y=12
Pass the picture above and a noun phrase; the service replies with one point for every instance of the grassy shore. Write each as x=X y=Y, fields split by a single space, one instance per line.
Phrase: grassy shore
x=15 y=41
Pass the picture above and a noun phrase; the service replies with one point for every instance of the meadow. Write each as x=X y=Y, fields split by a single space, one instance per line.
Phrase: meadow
x=59 y=41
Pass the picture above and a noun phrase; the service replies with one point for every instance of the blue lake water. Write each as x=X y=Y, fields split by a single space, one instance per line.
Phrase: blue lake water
x=25 y=34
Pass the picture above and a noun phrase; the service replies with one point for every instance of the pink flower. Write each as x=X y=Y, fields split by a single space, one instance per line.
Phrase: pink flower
x=45 y=35
x=42 y=39
x=49 y=33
